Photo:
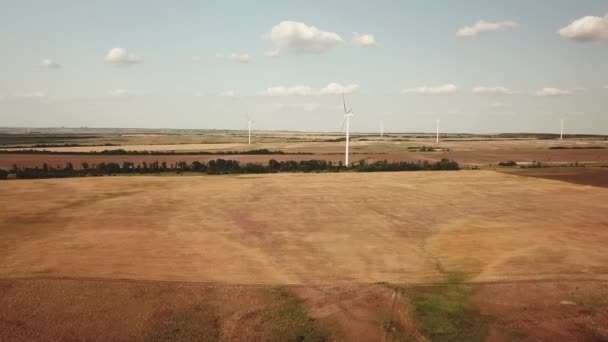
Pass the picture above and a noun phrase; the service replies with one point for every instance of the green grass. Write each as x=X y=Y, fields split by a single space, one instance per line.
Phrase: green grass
x=197 y=323
x=287 y=321
x=394 y=332
x=447 y=312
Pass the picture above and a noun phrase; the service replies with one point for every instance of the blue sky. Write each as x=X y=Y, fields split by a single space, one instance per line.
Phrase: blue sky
x=172 y=62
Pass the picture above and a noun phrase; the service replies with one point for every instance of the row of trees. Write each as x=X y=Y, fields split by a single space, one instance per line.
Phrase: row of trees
x=223 y=166
x=120 y=152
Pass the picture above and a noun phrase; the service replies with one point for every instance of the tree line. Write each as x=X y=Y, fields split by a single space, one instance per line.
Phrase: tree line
x=120 y=152
x=223 y=166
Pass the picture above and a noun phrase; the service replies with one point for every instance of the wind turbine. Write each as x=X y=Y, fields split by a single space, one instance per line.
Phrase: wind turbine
x=347 y=115
x=437 y=136
x=249 y=122
x=561 y=132
x=381 y=128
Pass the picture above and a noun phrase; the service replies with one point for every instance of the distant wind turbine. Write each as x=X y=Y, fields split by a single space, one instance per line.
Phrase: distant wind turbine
x=381 y=128
x=437 y=136
x=561 y=132
x=249 y=122
x=347 y=115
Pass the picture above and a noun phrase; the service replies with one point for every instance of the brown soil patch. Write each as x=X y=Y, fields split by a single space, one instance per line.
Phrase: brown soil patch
x=70 y=310
x=578 y=175
x=554 y=311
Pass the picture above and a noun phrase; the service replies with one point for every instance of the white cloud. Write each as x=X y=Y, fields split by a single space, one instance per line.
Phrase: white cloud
x=332 y=88
x=436 y=90
x=235 y=57
x=336 y=88
x=228 y=93
x=122 y=93
x=288 y=91
x=298 y=38
x=363 y=39
x=121 y=57
x=493 y=91
x=50 y=64
x=554 y=92
x=606 y=87
x=33 y=95
x=587 y=29
x=483 y=26
x=24 y=96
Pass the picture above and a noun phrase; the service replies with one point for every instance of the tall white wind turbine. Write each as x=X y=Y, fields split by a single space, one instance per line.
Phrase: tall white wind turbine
x=249 y=122
x=347 y=115
x=437 y=136
x=561 y=132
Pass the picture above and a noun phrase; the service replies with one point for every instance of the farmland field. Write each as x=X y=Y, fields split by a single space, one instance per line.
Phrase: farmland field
x=341 y=244
x=499 y=254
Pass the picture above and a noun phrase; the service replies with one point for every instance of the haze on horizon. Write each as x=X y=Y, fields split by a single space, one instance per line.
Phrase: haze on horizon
x=479 y=66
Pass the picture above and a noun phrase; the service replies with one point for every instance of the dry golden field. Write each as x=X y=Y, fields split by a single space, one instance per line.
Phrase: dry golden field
x=305 y=228
x=340 y=256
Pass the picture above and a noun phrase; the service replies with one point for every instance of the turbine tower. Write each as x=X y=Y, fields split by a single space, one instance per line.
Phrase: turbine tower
x=381 y=128
x=561 y=132
x=437 y=136
x=249 y=122
x=347 y=115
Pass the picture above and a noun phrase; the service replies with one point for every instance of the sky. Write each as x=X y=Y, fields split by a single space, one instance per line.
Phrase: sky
x=477 y=66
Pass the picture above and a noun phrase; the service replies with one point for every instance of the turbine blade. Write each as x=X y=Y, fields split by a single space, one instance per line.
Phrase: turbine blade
x=342 y=126
x=344 y=103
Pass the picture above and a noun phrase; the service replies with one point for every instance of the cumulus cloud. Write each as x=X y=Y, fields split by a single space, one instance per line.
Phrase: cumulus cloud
x=228 y=93
x=234 y=57
x=432 y=90
x=32 y=95
x=49 y=64
x=297 y=38
x=554 y=92
x=483 y=26
x=363 y=39
x=121 y=57
x=493 y=91
x=336 y=88
x=122 y=93
x=332 y=88
x=587 y=29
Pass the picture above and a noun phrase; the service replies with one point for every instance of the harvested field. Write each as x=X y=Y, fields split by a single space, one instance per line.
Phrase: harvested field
x=342 y=257
x=103 y=310
x=579 y=175
x=304 y=228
